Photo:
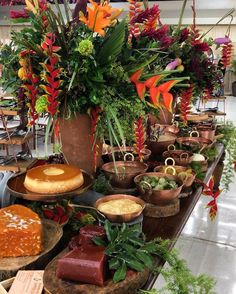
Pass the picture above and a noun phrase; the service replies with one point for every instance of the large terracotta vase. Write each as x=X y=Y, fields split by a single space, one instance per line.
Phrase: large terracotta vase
x=77 y=142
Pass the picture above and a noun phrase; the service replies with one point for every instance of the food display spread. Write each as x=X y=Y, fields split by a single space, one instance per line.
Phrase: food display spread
x=20 y=232
x=53 y=178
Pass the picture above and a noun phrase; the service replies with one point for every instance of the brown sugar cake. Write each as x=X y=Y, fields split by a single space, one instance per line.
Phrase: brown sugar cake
x=53 y=179
x=20 y=232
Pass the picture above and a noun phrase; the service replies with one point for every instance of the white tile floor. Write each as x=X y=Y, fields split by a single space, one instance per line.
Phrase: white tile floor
x=210 y=247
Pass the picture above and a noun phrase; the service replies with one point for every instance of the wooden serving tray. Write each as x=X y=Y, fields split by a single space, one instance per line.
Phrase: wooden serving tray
x=54 y=285
x=52 y=233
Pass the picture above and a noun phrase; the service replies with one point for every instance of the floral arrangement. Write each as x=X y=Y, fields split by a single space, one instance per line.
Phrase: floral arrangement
x=115 y=70
x=88 y=63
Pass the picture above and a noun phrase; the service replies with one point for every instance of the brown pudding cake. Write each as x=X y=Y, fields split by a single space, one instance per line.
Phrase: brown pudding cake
x=53 y=179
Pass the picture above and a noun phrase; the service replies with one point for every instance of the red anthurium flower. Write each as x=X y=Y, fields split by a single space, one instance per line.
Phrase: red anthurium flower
x=135 y=77
x=154 y=96
x=141 y=89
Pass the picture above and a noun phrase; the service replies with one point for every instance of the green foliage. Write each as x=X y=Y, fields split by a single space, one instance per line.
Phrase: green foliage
x=197 y=167
x=179 y=279
x=101 y=184
x=127 y=249
x=112 y=46
x=211 y=153
x=229 y=141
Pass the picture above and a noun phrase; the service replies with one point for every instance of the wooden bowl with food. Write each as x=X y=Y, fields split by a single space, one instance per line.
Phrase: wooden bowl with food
x=120 y=207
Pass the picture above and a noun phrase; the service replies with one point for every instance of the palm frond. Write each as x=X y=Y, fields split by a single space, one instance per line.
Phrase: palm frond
x=112 y=46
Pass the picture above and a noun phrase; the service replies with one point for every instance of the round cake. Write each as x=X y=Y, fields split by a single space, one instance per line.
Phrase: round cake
x=53 y=179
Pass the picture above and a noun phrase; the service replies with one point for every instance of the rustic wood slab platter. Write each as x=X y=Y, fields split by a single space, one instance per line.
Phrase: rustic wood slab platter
x=16 y=188
x=52 y=233
x=53 y=285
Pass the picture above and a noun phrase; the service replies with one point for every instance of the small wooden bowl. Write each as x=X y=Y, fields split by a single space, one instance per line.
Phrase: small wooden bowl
x=158 y=197
x=121 y=218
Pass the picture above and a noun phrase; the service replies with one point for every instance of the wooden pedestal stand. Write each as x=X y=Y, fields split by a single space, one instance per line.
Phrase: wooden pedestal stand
x=156 y=211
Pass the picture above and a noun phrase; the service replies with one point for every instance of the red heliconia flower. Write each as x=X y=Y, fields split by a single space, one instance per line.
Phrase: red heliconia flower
x=52 y=73
x=31 y=87
x=209 y=191
x=202 y=47
x=19 y=14
x=134 y=9
x=227 y=50
x=185 y=101
x=95 y=115
x=139 y=137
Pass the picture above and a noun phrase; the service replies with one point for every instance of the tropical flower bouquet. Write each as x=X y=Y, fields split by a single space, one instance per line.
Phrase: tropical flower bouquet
x=90 y=62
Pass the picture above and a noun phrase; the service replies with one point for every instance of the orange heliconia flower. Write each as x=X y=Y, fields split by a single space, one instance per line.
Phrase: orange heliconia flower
x=99 y=16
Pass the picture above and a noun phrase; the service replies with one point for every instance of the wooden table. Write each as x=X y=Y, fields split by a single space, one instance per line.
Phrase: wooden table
x=171 y=227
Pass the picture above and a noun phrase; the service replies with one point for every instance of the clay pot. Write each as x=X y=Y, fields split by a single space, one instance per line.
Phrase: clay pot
x=77 y=142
